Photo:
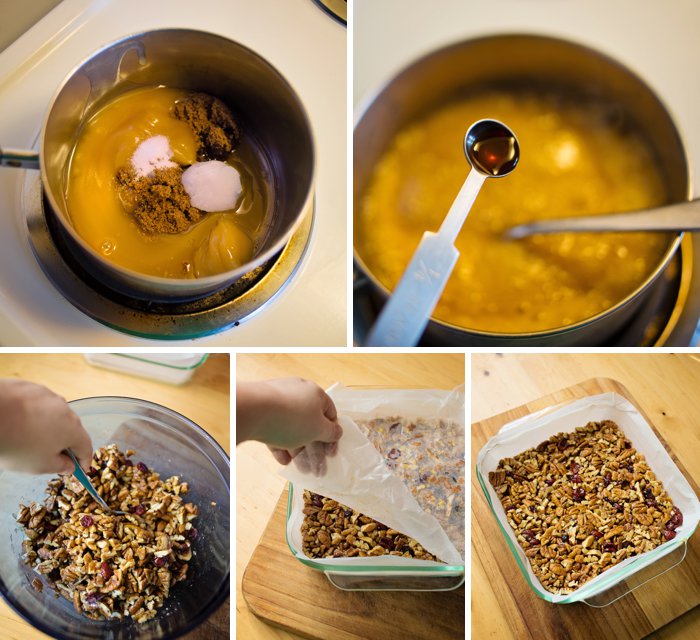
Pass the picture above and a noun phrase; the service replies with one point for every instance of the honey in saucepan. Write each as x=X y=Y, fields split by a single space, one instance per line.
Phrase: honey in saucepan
x=214 y=243
x=574 y=161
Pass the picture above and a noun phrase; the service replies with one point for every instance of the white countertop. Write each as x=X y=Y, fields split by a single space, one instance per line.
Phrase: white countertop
x=295 y=36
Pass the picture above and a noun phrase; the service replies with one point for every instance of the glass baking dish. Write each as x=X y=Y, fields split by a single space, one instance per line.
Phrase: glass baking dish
x=174 y=368
x=519 y=435
x=376 y=574
x=359 y=574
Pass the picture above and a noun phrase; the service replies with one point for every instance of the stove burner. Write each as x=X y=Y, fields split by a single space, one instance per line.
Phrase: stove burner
x=668 y=316
x=163 y=320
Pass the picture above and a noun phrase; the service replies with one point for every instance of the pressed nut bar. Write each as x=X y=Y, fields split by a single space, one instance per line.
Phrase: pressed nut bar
x=583 y=502
x=107 y=565
x=428 y=455
x=332 y=530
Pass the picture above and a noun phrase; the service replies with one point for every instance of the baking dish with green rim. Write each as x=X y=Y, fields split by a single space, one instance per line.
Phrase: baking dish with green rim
x=370 y=574
x=523 y=433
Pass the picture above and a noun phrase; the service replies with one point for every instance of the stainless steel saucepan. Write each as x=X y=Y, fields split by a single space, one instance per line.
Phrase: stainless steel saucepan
x=264 y=102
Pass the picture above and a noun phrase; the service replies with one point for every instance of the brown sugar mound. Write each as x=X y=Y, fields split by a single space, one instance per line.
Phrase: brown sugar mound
x=212 y=123
x=159 y=202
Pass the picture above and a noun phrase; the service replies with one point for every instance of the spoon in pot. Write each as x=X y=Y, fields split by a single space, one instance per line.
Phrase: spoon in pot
x=83 y=479
x=493 y=152
x=683 y=216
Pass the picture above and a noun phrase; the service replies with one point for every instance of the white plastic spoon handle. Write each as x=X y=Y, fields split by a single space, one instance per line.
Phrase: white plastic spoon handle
x=405 y=315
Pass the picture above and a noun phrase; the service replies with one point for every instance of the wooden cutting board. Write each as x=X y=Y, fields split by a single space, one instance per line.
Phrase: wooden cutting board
x=639 y=613
x=282 y=591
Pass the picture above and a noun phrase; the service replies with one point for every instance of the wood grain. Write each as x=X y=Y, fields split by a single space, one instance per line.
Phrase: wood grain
x=506 y=607
x=284 y=592
x=204 y=399
x=258 y=486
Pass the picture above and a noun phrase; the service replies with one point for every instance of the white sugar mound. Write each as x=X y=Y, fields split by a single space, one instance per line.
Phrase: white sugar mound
x=212 y=186
x=152 y=153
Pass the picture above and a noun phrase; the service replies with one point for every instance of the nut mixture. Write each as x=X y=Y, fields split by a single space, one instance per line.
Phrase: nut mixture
x=111 y=566
x=428 y=455
x=582 y=502
x=332 y=530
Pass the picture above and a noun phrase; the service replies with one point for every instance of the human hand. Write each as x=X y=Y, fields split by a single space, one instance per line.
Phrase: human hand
x=36 y=425
x=293 y=416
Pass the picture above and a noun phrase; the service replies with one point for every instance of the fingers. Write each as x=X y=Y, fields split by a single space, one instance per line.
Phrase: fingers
x=331 y=433
x=331 y=449
x=281 y=455
x=329 y=409
x=81 y=444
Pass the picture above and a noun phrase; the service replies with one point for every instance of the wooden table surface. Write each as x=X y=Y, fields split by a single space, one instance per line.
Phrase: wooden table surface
x=258 y=487
x=204 y=399
x=659 y=382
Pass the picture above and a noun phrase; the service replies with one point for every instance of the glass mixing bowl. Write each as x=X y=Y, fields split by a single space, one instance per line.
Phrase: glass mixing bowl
x=170 y=444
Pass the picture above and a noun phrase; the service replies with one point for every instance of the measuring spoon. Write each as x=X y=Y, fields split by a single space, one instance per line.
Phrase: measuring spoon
x=493 y=152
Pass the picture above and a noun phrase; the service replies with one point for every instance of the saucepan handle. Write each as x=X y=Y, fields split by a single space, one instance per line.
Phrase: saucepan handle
x=19 y=158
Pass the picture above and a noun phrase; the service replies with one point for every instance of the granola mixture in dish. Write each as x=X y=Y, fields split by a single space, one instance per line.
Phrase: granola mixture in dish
x=582 y=502
x=332 y=530
x=111 y=566
x=428 y=455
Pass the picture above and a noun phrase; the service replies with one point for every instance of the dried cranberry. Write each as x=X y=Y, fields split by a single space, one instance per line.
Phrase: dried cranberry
x=562 y=444
x=609 y=547
x=106 y=571
x=139 y=510
x=575 y=467
x=669 y=534
x=86 y=521
x=347 y=512
x=423 y=477
x=629 y=468
x=386 y=542
x=128 y=463
x=578 y=494
x=92 y=600
x=607 y=479
x=627 y=444
x=676 y=517
x=618 y=508
x=597 y=535
x=650 y=502
x=549 y=482
x=575 y=478
x=532 y=509
x=394 y=453
x=564 y=537
x=647 y=493
x=529 y=536
x=91 y=471
x=159 y=562
x=142 y=467
x=193 y=534
x=394 y=427
x=625 y=544
x=316 y=500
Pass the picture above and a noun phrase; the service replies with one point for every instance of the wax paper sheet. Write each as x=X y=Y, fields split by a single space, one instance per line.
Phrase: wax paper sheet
x=359 y=478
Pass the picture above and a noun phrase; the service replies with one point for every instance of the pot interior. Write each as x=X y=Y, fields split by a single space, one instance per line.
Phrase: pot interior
x=517 y=63
x=265 y=105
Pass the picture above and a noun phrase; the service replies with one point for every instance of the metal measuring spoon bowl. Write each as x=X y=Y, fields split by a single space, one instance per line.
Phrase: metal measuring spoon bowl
x=491 y=148
x=83 y=478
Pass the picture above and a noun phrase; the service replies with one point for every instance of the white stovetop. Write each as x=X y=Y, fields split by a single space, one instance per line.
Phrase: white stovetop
x=301 y=41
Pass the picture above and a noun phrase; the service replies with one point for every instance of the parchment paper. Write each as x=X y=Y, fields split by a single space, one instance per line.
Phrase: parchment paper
x=358 y=477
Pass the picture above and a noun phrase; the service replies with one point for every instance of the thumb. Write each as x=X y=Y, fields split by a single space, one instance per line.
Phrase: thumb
x=332 y=432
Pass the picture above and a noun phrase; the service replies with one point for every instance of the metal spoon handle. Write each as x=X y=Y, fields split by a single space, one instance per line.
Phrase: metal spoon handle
x=684 y=216
x=19 y=158
x=85 y=481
